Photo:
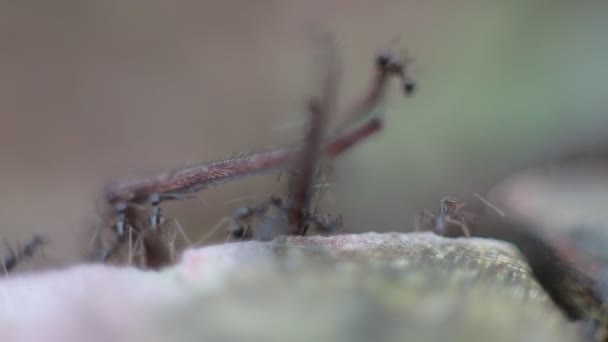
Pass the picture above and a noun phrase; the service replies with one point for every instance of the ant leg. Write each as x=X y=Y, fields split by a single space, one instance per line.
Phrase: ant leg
x=5 y=263
x=337 y=224
x=280 y=174
x=21 y=253
x=137 y=249
x=10 y=261
x=304 y=229
x=240 y=222
x=157 y=219
x=212 y=231
x=104 y=252
x=181 y=231
x=326 y=226
x=131 y=246
x=156 y=216
x=463 y=226
x=171 y=246
x=489 y=204
x=30 y=248
x=421 y=220
x=121 y=218
x=96 y=235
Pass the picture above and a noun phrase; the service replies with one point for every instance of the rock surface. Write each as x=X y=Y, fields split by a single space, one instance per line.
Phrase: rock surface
x=367 y=287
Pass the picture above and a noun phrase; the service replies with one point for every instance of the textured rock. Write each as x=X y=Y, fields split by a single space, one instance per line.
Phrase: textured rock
x=368 y=287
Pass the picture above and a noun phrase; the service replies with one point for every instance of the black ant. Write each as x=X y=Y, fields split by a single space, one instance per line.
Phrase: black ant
x=14 y=257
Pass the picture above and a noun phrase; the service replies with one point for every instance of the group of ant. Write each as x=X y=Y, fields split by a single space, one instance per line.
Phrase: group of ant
x=137 y=226
x=136 y=233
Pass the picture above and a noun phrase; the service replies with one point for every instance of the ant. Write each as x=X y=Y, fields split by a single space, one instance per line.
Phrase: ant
x=450 y=220
x=13 y=258
x=577 y=295
x=148 y=243
x=455 y=217
x=391 y=65
x=271 y=214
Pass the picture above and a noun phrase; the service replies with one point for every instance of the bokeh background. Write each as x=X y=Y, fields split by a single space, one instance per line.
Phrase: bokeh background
x=95 y=91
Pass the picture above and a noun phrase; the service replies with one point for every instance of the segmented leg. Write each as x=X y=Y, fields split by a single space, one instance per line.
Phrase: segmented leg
x=424 y=220
x=461 y=224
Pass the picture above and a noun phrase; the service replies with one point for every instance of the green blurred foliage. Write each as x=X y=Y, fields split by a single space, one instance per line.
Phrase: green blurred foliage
x=502 y=84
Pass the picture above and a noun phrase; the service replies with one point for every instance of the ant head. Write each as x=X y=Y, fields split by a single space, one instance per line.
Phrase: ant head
x=154 y=199
x=238 y=232
x=39 y=239
x=450 y=205
x=388 y=64
x=276 y=201
x=120 y=207
x=383 y=60
x=114 y=193
x=409 y=85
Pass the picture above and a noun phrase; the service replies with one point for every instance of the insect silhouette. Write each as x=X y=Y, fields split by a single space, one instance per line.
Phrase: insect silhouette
x=455 y=217
x=450 y=220
x=15 y=256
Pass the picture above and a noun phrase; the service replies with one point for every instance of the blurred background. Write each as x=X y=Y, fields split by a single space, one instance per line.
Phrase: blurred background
x=96 y=91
